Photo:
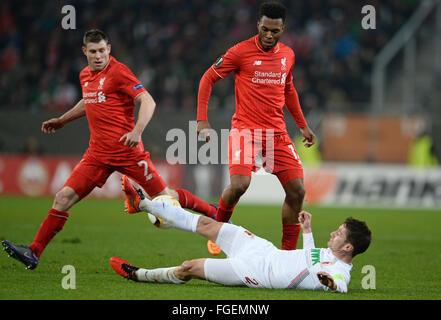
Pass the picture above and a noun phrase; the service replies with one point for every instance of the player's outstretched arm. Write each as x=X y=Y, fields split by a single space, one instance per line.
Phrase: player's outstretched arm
x=52 y=125
x=305 y=223
x=146 y=109
x=293 y=105
x=206 y=84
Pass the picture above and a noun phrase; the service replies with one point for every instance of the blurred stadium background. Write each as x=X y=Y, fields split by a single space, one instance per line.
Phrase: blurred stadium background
x=372 y=96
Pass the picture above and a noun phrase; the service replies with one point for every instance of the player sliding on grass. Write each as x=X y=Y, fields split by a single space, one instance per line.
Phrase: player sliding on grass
x=263 y=70
x=110 y=91
x=252 y=261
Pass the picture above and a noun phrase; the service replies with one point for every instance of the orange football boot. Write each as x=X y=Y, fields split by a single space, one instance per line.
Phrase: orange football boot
x=132 y=197
x=213 y=249
x=123 y=268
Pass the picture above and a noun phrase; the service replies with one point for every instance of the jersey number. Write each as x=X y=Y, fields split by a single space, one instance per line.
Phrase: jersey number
x=296 y=156
x=146 y=169
x=251 y=281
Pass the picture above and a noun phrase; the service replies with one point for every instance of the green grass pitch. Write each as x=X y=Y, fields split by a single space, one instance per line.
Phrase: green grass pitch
x=405 y=253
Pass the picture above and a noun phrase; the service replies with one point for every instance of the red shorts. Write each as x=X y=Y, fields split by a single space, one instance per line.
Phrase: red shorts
x=277 y=153
x=91 y=173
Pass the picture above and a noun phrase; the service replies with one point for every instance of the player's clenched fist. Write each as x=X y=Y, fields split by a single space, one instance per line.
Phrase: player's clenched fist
x=52 y=125
x=327 y=280
x=203 y=130
x=305 y=221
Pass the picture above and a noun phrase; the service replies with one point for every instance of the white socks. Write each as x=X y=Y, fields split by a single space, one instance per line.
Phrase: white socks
x=178 y=217
x=160 y=275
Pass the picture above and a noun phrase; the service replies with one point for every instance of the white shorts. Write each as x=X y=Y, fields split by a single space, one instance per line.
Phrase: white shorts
x=246 y=262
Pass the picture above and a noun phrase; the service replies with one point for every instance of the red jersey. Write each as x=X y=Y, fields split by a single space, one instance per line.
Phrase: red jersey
x=263 y=86
x=108 y=97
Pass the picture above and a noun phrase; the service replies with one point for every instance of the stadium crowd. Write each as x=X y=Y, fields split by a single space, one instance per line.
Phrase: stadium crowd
x=170 y=43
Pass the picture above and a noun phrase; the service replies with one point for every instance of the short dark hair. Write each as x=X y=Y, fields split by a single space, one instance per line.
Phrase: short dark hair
x=273 y=10
x=95 y=36
x=358 y=235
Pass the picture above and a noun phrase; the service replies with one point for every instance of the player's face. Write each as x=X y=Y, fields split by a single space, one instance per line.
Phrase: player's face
x=270 y=31
x=97 y=54
x=338 y=241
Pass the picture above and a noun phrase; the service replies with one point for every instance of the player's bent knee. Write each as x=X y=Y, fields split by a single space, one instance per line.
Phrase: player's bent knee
x=64 y=199
x=296 y=194
x=208 y=228
x=300 y=193
x=171 y=192
x=240 y=187
x=204 y=224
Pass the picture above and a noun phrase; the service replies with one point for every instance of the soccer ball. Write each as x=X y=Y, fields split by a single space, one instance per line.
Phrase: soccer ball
x=158 y=222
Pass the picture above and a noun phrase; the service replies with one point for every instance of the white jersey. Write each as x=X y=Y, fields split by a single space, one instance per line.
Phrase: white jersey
x=298 y=269
x=258 y=263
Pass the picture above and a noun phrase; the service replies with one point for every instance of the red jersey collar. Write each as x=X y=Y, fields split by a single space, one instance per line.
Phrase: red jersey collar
x=259 y=46
x=93 y=73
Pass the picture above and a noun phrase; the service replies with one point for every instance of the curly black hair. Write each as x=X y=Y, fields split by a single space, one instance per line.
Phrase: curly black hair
x=273 y=10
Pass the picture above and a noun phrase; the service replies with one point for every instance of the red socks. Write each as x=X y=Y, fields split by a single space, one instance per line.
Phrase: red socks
x=53 y=224
x=290 y=236
x=224 y=211
x=190 y=201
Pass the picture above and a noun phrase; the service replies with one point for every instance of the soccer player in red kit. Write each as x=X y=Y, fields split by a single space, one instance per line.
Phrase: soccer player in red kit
x=262 y=69
x=110 y=91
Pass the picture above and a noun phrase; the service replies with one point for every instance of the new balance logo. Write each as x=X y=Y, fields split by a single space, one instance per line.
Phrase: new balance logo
x=257 y=63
